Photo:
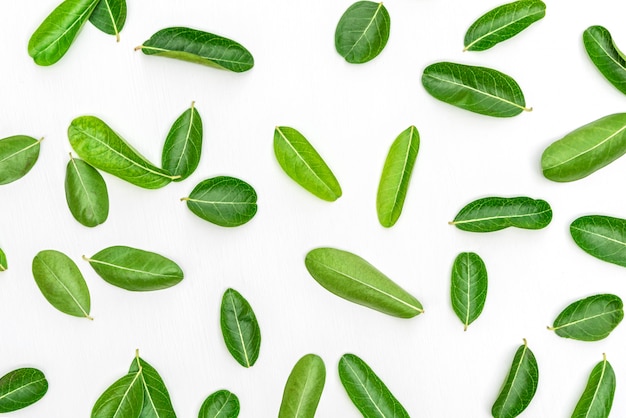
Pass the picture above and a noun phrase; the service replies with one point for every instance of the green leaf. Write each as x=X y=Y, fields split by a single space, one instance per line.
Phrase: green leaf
x=98 y=145
x=477 y=89
x=21 y=388
x=220 y=404
x=502 y=23
x=495 y=213
x=123 y=399
x=604 y=54
x=597 y=398
x=134 y=269
x=586 y=149
x=18 y=154
x=57 y=32
x=303 y=164
x=199 y=47
x=469 y=287
x=603 y=237
x=519 y=386
x=183 y=145
x=3 y=261
x=156 y=398
x=366 y=391
x=303 y=389
x=224 y=201
x=240 y=328
x=109 y=16
x=362 y=32
x=394 y=181
x=589 y=319
x=350 y=277
x=62 y=283
x=86 y=193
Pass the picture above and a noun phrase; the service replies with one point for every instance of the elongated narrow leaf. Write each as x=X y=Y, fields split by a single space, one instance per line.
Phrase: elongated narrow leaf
x=303 y=389
x=366 y=391
x=362 y=32
x=304 y=165
x=3 y=261
x=590 y=319
x=156 y=398
x=224 y=201
x=240 y=328
x=200 y=47
x=495 y=213
x=62 y=283
x=183 y=145
x=603 y=237
x=597 y=398
x=86 y=193
x=57 y=32
x=469 y=287
x=586 y=149
x=502 y=23
x=349 y=276
x=21 y=388
x=605 y=55
x=394 y=181
x=135 y=269
x=519 y=386
x=18 y=154
x=477 y=89
x=220 y=404
x=124 y=398
x=109 y=16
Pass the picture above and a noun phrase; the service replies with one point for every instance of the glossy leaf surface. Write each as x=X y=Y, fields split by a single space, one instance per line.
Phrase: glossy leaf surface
x=109 y=16
x=21 y=388
x=86 y=193
x=469 y=287
x=477 y=89
x=349 y=276
x=362 y=32
x=495 y=213
x=304 y=165
x=3 y=261
x=62 y=283
x=519 y=386
x=597 y=398
x=502 y=23
x=240 y=328
x=590 y=319
x=224 y=201
x=183 y=145
x=156 y=398
x=303 y=389
x=603 y=237
x=123 y=399
x=605 y=55
x=586 y=149
x=135 y=269
x=366 y=391
x=18 y=154
x=220 y=404
x=199 y=47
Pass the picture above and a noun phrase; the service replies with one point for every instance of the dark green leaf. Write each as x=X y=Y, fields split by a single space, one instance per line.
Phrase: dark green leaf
x=303 y=389
x=200 y=47
x=495 y=213
x=109 y=16
x=3 y=261
x=156 y=398
x=349 y=276
x=469 y=287
x=18 y=154
x=62 y=283
x=603 y=237
x=123 y=399
x=220 y=404
x=224 y=201
x=304 y=165
x=362 y=32
x=597 y=398
x=134 y=269
x=589 y=319
x=86 y=193
x=605 y=56
x=240 y=328
x=477 y=89
x=183 y=145
x=21 y=388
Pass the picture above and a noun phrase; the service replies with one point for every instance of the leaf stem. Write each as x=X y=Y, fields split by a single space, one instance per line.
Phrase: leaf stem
x=137 y=48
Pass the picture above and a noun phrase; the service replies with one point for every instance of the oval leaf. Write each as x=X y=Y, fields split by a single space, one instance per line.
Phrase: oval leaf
x=502 y=23
x=589 y=319
x=603 y=237
x=156 y=398
x=605 y=56
x=586 y=149
x=200 y=47
x=183 y=145
x=349 y=276
x=366 y=391
x=220 y=404
x=57 y=32
x=21 y=388
x=18 y=154
x=124 y=398
x=240 y=328
x=495 y=213
x=362 y=32
x=597 y=398
x=394 y=181
x=109 y=16
x=224 y=201
x=303 y=389
x=86 y=193
x=469 y=287
x=519 y=386
x=304 y=165
x=62 y=283
x=134 y=269
x=477 y=89
x=3 y=261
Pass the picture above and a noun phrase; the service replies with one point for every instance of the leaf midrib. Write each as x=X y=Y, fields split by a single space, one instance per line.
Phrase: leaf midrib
x=365 y=389
x=371 y=22
x=213 y=59
x=595 y=234
x=54 y=275
x=239 y=333
x=595 y=392
x=20 y=151
x=588 y=318
x=22 y=387
x=125 y=395
x=403 y=173
x=187 y=136
x=501 y=28
x=519 y=366
x=302 y=394
x=91 y=260
x=617 y=51
x=90 y=204
x=499 y=217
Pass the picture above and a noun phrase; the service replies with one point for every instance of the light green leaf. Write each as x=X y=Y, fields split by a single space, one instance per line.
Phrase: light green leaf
x=303 y=389
x=605 y=55
x=18 y=154
x=590 y=319
x=21 y=388
x=183 y=145
x=109 y=16
x=156 y=398
x=362 y=32
x=3 y=261
x=603 y=237
x=240 y=328
x=469 y=287
x=86 y=193
x=123 y=399
x=597 y=398
x=220 y=404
